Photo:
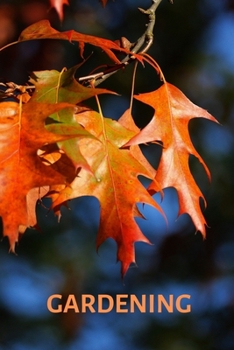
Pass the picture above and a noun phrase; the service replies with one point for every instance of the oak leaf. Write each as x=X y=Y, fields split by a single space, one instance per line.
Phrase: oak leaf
x=43 y=30
x=169 y=125
x=52 y=86
x=114 y=183
x=23 y=133
x=55 y=87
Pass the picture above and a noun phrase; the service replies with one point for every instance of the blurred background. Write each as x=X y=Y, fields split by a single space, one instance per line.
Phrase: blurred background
x=194 y=45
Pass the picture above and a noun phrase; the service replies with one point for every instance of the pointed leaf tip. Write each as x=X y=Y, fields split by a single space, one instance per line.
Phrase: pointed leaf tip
x=58 y=6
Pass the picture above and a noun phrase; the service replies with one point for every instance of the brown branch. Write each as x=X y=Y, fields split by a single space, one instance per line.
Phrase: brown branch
x=146 y=39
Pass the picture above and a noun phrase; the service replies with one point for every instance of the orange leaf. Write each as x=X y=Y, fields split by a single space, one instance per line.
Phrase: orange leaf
x=173 y=111
x=43 y=30
x=114 y=184
x=22 y=134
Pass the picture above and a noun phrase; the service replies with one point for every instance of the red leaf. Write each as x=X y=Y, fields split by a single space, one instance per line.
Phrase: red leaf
x=114 y=183
x=22 y=134
x=43 y=30
x=173 y=111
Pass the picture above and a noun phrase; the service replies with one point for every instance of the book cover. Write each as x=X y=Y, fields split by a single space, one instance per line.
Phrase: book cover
x=114 y=236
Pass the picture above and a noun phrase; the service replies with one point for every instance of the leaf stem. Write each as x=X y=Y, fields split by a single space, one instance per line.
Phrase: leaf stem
x=156 y=66
x=133 y=84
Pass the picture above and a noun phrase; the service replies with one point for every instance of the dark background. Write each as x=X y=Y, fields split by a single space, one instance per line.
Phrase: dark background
x=194 y=45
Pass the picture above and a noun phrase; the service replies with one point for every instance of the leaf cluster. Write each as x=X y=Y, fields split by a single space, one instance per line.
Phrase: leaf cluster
x=53 y=145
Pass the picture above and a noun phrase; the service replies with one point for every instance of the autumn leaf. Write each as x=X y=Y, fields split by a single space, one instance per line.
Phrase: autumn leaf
x=173 y=111
x=51 y=145
x=114 y=183
x=23 y=133
x=54 y=87
x=58 y=5
x=43 y=30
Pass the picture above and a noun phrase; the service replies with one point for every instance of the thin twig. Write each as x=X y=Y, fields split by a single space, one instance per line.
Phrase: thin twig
x=146 y=39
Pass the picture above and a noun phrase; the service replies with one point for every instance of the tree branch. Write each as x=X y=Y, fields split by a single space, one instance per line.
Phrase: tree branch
x=148 y=36
x=146 y=39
